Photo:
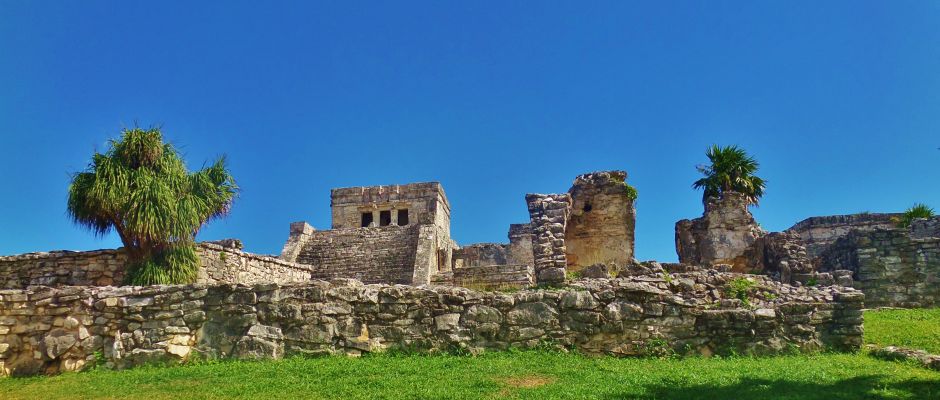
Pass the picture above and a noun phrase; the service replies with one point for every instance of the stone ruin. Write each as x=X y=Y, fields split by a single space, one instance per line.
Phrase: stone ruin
x=388 y=275
x=894 y=267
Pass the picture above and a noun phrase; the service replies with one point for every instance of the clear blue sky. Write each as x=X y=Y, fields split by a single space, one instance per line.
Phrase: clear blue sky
x=840 y=102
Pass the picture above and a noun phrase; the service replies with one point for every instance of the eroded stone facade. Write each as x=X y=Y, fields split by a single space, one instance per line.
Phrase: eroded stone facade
x=721 y=235
x=602 y=221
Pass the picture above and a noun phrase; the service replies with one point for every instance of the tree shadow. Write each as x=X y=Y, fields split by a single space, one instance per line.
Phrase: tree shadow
x=862 y=387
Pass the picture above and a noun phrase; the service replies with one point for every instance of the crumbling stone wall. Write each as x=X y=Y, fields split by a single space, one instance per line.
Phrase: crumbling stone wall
x=600 y=228
x=894 y=267
x=818 y=233
x=46 y=330
x=925 y=227
x=548 y=214
x=521 y=239
x=780 y=255
x=721 y=236
x=219 y=264
x=481 y=254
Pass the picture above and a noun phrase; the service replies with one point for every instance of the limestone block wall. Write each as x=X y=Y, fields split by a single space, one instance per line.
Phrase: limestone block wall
x=494 y=277
x=925 y=227
x=721 y=236
x=520 y=244
x=373 y=255
x=47 y=330
x=481 y=254
x=600 y=228
x=219 y=264
x=548 y=214
x=818 y=233
x=60 y=268
x=893 y=267
x=780 y=255
x=230 y=265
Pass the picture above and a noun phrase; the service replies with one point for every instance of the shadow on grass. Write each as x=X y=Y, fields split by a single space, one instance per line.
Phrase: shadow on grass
x=862 y=387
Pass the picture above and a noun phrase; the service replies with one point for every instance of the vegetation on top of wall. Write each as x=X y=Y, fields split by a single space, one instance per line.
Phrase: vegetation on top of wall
x=141 y=189
x=731 y=169
x=627 y=188
x=741 y=288
x=918 y=210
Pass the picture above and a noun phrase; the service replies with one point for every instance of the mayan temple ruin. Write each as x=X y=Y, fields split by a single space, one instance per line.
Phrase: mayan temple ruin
x=388 y=274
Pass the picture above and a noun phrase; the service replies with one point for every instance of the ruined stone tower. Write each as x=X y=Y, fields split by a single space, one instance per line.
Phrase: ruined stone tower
x=602 y=221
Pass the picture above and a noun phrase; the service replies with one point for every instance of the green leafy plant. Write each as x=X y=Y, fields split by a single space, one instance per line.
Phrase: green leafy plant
x=141 y=189
x=740 y=288
x=731 y=169
x=918 y=210
x=628 y=189
x=812 y=281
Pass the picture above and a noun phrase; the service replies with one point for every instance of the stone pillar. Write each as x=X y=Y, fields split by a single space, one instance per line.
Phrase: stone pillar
x=548 y=214
x=601 y=227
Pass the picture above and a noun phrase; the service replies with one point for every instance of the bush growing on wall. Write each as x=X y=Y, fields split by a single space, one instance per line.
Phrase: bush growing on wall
x=918 y=210
x=141 y=189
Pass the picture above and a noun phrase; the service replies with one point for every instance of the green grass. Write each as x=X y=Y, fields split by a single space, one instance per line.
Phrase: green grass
x=527 y=375
x=531 y=375
x=917 y=328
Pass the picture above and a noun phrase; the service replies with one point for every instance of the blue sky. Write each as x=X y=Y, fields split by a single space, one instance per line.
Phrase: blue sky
x=839 y=101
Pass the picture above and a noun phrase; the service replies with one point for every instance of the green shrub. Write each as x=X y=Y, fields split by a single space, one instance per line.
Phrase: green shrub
x=740 y=288
x=918 y=210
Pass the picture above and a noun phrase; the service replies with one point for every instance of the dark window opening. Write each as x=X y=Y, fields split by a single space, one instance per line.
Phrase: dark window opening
x=588 y=207
x=385 y=218
x=402 y=217
x=366 y=219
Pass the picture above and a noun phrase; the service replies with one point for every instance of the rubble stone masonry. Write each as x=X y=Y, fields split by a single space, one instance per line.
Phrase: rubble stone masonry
x=48 y=330
x=219 y=264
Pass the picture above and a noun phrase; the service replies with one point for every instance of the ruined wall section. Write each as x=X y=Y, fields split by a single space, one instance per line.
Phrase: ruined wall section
x=520 y=244
x=721 y=236
x=818 y=233
x=893 y=267
x=218 y=264
x=374 y=255
x=925 y=227
x=548 y=214
x=45 y=330
x=600 y=229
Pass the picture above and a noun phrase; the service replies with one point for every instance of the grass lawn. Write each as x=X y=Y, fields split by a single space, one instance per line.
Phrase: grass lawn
x=917 y=328
x=528 y=374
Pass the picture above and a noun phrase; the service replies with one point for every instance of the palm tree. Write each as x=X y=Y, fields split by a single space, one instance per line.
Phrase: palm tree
x=141 y=189
x=731 y=170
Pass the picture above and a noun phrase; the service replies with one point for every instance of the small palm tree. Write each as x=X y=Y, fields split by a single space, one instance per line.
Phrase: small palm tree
x=731 y=170
x=141 y=189
x=918 y=210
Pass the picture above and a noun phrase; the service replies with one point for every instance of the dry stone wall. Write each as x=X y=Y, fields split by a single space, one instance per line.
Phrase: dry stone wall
x=219 y=264
x=818 y=233
x=47 y=330
x=894 y=267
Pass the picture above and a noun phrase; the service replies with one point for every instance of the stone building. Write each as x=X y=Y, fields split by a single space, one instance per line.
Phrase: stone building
x=401 y=234
x=380 y=234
